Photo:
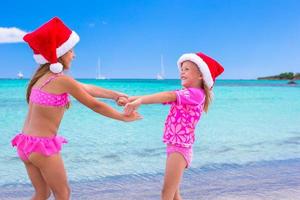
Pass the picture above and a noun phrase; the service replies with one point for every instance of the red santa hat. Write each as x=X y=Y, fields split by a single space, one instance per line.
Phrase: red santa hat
x=50 y=41
x=209 y=68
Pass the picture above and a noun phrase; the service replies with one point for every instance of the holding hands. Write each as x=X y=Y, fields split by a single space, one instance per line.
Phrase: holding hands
x=131 y=104
x=123 y=100
x=120 y=98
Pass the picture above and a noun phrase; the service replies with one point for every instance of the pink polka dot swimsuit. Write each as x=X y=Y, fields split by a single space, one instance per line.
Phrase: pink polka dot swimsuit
x=47 y=146
x=41 y=97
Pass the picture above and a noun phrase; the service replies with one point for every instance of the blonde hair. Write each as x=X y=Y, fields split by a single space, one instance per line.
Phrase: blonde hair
x=40 y=72
x=207 y=91
x=208 y=97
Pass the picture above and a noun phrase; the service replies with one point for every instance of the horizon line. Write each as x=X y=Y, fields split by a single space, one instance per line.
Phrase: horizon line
x=26 y=78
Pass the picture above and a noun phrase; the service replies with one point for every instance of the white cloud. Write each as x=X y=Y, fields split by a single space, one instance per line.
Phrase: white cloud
x=11 y=35
x=92 y=25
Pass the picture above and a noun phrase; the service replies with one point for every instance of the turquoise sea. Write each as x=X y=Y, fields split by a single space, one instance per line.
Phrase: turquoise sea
x=251 y=133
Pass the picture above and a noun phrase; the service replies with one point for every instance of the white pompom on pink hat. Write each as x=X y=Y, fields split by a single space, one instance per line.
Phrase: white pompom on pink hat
x=209 y=68
x=50 y=41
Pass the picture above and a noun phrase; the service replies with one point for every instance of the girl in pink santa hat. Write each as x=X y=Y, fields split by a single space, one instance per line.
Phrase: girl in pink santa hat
x=38 y=144
x=197 y=73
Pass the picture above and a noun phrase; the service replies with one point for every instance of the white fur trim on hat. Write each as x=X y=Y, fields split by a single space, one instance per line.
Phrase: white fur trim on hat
x=201 y=65
x=56 y=68
x=64 y=48
x=68 y=45
x=40 y=59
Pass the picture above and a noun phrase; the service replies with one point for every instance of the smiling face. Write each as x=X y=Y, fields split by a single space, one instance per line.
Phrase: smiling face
x=190 y=75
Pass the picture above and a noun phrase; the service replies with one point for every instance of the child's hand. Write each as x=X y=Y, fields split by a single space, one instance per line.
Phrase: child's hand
x=132 y=117
x=117 y=95
x=131 y=99
x=120 y=94
x=131 y=107
x=122 y=101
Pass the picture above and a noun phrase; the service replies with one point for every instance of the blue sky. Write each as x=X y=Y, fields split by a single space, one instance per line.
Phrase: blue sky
x=250 y=38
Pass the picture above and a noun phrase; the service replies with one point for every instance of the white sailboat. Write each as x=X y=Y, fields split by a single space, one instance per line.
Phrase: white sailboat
x=99 y=76
x=20 y=75
x=161 y=75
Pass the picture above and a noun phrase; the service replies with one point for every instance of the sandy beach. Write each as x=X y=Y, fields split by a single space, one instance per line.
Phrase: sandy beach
x=275 y=180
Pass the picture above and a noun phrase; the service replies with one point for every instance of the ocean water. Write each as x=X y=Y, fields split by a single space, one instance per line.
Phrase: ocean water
x=251 y=122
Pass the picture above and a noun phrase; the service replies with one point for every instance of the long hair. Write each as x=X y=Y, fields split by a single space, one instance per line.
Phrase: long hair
x=208 y=97
x=40 y=72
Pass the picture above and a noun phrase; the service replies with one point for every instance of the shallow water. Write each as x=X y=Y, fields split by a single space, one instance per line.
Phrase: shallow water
x=249 y=122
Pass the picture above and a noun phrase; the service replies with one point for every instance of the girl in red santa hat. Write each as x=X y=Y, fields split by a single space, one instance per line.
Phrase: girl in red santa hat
x=38 y=144
x=197 y=73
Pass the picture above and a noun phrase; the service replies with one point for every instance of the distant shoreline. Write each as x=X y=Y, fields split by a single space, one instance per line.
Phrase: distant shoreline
x=230 y=79
x=282 y=76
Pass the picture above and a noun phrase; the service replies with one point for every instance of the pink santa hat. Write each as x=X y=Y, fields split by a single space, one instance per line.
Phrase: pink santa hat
x=209 y=68
x=50 y=41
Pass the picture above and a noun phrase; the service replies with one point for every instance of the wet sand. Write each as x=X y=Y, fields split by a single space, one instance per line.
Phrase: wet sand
x=272 y=180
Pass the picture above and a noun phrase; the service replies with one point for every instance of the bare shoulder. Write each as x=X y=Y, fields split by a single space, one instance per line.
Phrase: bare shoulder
x=67 y=82
x=64 y=78
x=75 y=89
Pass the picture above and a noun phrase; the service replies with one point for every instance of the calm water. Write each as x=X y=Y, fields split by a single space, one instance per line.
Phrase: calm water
x=250 y=121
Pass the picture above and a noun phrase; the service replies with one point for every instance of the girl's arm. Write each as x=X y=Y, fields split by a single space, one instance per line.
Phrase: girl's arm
x=96 y=91
x=74 y=88
x=162 y=97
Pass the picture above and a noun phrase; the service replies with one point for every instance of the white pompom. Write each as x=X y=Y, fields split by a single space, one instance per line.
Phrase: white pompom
x=56 y=68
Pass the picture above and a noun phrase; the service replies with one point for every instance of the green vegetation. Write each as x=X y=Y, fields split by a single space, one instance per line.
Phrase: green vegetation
x=297 y=76
x=282 y=76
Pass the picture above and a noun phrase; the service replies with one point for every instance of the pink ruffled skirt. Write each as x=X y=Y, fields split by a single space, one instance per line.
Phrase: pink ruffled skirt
x=26 y=144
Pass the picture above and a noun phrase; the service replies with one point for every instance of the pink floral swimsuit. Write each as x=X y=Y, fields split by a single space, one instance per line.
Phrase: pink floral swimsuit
x=185 y=112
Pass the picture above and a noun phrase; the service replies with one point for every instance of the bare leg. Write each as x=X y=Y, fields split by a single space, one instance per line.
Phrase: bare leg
x=42 y=190
x=174 y=170
x=177 y=195
x=53 y=171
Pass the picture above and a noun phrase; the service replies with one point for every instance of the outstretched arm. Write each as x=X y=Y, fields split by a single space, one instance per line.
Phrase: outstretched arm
x=162 y=97
x=100 y=92
x=74 y=88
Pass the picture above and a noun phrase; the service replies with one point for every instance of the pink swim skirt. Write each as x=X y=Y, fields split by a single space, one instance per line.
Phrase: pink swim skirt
x=27 y=144
x=186 y=152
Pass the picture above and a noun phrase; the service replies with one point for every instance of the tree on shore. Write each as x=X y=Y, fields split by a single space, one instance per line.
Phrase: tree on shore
x=283 y=76
x=286 y=75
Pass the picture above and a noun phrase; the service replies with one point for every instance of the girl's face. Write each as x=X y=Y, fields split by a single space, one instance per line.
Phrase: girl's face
x=67 y=59
x=190 y=75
